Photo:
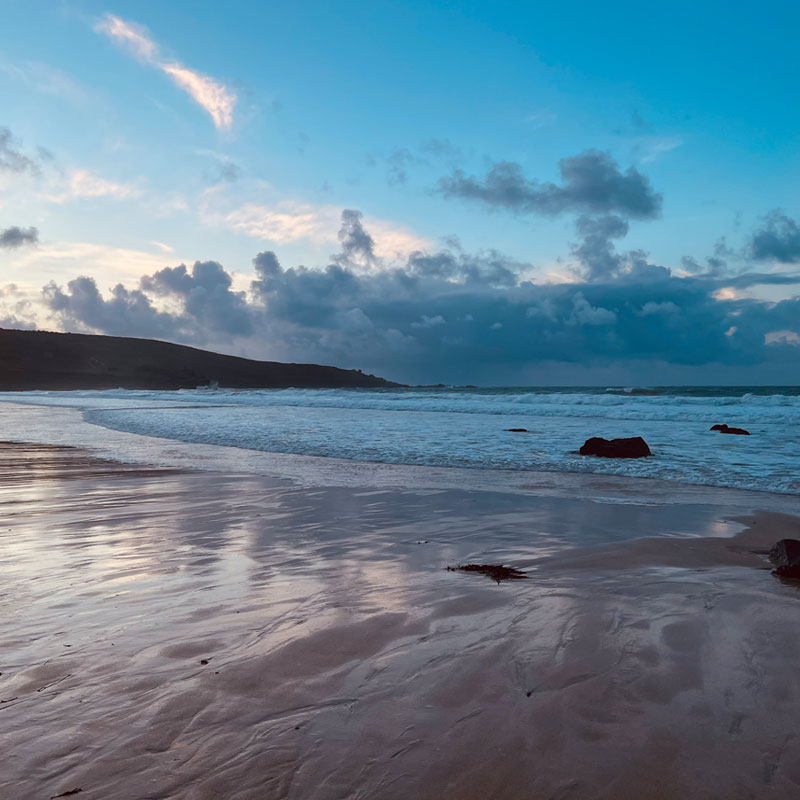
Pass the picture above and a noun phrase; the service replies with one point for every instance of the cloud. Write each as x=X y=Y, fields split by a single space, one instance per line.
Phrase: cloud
x=285 y=222
x=358 y=247
x=225 y=168
x=81 y=183
x=434 y=316
x=12 y=159
x=206 y=294
x=206 y=92
x=44 y=78
x=591 y=182
x=14 y=237
x=217 y=99
x=291 y=221
x=129 y=34
x=647 y=149
x=71 y=259
x=401 y=160
x=126 y=313
x=778 y=238
x=596 y=251
x=16 y=309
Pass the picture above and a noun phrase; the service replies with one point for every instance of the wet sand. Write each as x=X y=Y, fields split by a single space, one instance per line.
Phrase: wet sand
x=192 y=635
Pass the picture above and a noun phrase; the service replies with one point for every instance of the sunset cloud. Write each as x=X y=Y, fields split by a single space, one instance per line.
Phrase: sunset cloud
x=211 y=95
x=81 y=183
x=291 y=221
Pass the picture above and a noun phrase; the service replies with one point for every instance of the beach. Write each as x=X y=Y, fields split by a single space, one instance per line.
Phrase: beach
x=177 y=633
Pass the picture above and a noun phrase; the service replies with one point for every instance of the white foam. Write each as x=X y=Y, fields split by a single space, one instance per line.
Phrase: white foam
x=461 y=428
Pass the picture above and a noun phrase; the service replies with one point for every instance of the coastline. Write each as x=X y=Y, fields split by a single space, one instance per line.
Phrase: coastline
x=59 y=425
x=340 y=654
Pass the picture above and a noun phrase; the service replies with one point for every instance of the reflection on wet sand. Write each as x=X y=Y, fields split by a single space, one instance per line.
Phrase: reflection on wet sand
x=174 y=634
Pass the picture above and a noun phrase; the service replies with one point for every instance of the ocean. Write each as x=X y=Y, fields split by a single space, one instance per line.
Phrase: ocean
x=465 y=427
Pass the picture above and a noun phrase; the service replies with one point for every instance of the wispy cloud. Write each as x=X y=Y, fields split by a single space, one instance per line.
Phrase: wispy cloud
x=650 y=148
x=217 y=99
x=81 y=183
x=63 y=260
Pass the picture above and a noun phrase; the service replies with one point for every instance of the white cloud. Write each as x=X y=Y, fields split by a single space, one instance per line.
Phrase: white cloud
x=651 y=307
x=291 y=221
x=651 y=148
x=217 y=99
x=83 y=183
x=286 y=221
x=130 y=35
x=584 y=313
x=726 y=293
x=429 y=322
x=782 y=337
x=63 y=261
x=393 y=242
x=206 y=92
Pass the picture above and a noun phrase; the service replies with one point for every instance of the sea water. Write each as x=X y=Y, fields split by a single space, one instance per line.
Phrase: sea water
x=466 y=427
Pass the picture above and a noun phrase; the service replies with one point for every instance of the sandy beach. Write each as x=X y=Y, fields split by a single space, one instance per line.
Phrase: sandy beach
x=184 y=634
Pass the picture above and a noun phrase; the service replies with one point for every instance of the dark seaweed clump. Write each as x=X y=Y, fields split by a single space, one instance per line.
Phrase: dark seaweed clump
x=496 y=572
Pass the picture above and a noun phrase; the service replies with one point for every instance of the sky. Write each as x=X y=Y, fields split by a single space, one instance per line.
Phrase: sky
x=493 y=193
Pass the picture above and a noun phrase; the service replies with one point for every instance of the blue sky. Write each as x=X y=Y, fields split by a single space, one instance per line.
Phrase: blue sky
x=142 y=135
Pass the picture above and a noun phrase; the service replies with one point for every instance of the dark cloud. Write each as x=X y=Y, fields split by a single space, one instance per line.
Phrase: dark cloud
x=591 y=182
x=398 y=162
x=778 y=238
x=13 y=159
x=126 y=313
x=401 y=160
x=207 y=296
x=596 y=250
x=229 y=171
x=442 y=149
x=14 y=237
x=358 y=247
x=454 y=316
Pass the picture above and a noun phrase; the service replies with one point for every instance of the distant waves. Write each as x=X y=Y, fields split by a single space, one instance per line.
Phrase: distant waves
x=465 y=427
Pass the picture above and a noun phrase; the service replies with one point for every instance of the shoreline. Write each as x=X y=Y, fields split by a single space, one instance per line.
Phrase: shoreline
x=65 y=426
x=195 y=635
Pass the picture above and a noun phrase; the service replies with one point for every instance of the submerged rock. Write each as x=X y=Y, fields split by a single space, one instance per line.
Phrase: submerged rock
x=725 y=429
x=634 y=447
x=785 y=555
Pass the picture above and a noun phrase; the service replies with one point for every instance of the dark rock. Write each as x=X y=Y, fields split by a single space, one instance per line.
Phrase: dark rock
x=517 y=430
x=634 y=447
x=789 y=573
x=725 y=429
x=785 y=555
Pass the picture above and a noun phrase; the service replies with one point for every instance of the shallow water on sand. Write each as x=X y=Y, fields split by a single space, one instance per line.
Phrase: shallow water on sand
x=340 y=656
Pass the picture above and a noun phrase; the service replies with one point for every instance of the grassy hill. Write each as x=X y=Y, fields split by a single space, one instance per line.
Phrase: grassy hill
x=57 y=361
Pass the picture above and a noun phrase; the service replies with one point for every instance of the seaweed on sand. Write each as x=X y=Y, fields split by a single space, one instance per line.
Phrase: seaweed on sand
x=496 y=572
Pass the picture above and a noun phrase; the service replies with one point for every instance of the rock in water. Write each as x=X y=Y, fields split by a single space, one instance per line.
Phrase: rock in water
x=785 y=555
x=516 y=430
x=725 y=429
x=634 y=447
